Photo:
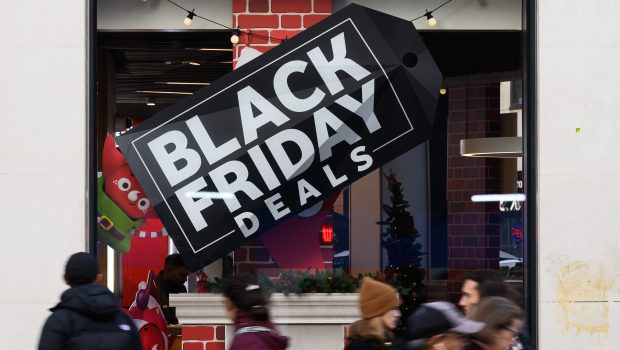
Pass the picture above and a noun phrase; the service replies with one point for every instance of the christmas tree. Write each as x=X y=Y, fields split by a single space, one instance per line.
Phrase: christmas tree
x=404 y=253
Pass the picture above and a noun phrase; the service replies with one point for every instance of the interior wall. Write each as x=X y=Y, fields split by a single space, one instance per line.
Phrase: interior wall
x=579 y=172
x=457 y=15
x=365 y=211
x=43 y=158
x=160 y=14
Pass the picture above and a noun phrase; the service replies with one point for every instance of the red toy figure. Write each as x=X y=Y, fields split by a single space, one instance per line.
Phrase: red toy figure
x=202 y=283
x=148 y=316
x=121 y=203
x=120 y=184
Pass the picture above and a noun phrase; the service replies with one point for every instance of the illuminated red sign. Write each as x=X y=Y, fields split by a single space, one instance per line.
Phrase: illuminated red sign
x=327 y=234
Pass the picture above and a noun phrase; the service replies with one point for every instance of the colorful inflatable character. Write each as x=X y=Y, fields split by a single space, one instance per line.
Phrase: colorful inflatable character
x=121 y=202
x=123 y=208
x=148 y=316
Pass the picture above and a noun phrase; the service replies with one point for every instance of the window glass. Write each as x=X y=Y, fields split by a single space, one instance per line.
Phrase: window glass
x=452 y=205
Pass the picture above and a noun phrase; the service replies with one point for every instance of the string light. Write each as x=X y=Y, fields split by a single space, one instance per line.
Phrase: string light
x=432 y=21
x=234 y=38
x=188 y=20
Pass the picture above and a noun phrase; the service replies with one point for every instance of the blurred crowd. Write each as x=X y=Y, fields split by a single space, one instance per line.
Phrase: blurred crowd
x=488 y=316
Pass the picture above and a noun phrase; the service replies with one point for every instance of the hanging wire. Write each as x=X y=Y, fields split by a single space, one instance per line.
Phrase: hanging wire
x=274 y=38
x=196 y=15
x=427 y=12
x=223 y=25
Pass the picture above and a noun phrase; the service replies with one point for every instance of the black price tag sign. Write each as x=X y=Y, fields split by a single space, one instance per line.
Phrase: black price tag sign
x=275 y=136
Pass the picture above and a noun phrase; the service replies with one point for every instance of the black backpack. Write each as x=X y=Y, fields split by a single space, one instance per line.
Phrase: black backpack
x=115 y=333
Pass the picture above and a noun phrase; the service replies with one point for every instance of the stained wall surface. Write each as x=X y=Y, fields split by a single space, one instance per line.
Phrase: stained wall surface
x=579 y=171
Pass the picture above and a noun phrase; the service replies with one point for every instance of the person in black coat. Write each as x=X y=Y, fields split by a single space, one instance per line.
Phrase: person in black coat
x=88 y=315
x=171 y=280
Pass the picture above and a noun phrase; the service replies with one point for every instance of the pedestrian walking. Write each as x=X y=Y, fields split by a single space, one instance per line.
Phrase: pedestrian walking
x=502 y=289
x=246 y=306
x=470 y=290
x=379 y=304
x=88 y=315
x=503 y=321
x=439 y=326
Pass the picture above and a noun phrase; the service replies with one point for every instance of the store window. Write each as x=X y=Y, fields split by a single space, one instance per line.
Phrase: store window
x=141 y=73
x=451 y=205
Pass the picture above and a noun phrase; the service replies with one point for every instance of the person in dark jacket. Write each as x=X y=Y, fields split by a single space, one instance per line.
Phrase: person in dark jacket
x=380 y=315
x=247 y=308
x=88 y=315
x=171 y=280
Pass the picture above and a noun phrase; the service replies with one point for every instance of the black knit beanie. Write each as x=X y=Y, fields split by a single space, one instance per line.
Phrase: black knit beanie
x=82 y=268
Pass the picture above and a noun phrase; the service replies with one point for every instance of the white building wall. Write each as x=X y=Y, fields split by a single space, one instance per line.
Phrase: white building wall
x=42 y=158
x=579 y=173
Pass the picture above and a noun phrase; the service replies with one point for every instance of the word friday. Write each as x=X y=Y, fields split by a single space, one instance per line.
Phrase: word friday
x=293 y=149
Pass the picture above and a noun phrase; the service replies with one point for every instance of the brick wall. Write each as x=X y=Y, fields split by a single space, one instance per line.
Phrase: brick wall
x=277 y=19
x=473 y=228
x=203 y=337
x=253 y=257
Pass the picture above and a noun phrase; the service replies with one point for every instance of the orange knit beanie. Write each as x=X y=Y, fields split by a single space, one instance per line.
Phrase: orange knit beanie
x=377 y=298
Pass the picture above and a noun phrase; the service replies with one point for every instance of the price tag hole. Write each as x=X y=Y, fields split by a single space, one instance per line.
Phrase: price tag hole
x=410 y=59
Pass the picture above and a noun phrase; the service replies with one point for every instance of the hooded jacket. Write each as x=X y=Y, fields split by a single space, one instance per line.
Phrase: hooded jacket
x=256 y=335
x=89 y=317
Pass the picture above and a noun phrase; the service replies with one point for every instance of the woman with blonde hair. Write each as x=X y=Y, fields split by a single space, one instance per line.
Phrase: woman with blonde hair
x=379 y=304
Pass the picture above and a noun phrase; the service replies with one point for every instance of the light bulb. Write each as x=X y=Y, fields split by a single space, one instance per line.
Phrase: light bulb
x=188 y=20
x=443 y=91
x=234 y=38
x=432 y=21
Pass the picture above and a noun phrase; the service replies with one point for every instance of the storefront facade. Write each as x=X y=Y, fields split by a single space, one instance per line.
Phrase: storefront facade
x=47 y=156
